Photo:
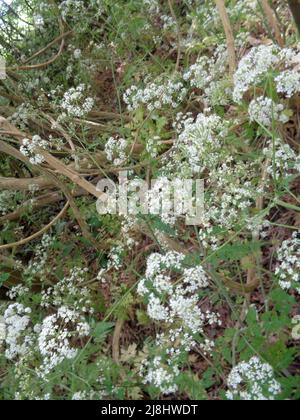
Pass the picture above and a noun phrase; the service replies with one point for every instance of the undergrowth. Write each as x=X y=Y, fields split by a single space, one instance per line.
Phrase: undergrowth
x=146 y=306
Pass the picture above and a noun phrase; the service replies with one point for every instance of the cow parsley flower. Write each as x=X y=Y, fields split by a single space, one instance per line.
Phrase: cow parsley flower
x=155 y=95
x=209 y=75
x=296 y=328
x=116 y=150
x=77 y=54
x=252 y=381
x=160 y=375
x=17 y=340
x=71 y=291
x=38 y=264
x=200 y=142
x=288 y=82
x=283 y=159
x=288 y=269
x=168 y=300
x=75 y=102
x=55 y=338
x=30 y=149
x=253 y=67
x=264 y=111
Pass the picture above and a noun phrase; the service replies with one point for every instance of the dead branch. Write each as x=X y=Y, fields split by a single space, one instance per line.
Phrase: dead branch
x=24 y=184
x=39 y=233
x=229 y=35
x=54 y=163
x=270 y=15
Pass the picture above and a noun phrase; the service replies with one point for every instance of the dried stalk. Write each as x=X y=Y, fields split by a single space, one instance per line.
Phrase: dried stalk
x=24 y=184
x=229 y=35
x=37 y=234
x=54 y=163
x=270 y=15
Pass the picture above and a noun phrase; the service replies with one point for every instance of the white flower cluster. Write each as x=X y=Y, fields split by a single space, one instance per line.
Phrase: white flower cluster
x=16 y=321
x=152 y=146
x=152 y=6
x=254 y=67
x=209 y=75
x=264 y=111
x=17 y=291
x=252 y=381
x=172 y=294
x=296 y=329
x=168 y=22
x=159 y=200
x=233 y=192
x=75 y=102
x=78 y=8
x=156 y=95
x=2 y=330
x=37 y=265
x=116 y=150
x=288 y=82
x=77 y=54
x=55 y=338
x=200 y=142
x=115 y=258
x=169 y=301
x=160 y=375
x=288 y=270
x=30 y=148
x=71 y=291
x=283 y=159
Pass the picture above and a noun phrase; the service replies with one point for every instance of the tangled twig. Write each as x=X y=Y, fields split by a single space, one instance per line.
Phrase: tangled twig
x=37 y=234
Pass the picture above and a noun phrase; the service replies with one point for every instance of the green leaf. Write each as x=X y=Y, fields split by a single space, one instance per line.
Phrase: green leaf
x=192 y=386
x=102 y=329
x=3 y=278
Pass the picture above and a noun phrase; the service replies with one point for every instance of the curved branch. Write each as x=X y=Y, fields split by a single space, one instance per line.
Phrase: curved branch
x=39 y=233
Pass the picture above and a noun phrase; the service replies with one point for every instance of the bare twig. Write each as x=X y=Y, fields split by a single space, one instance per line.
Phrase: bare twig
x=229 y=35
x=54 y=163
x=37 y=234
x=116 y=340
x=270 y=15
x=24 y=184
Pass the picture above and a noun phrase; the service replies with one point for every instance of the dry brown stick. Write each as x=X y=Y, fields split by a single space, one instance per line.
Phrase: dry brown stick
x=42 y=65
x=24 y=184
x=36 y=203
x=37 y=234
x=55 y=163
x=270 y=15
x=51 y=60
x=229 y=35
x=116 y=340
x=40 y=52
